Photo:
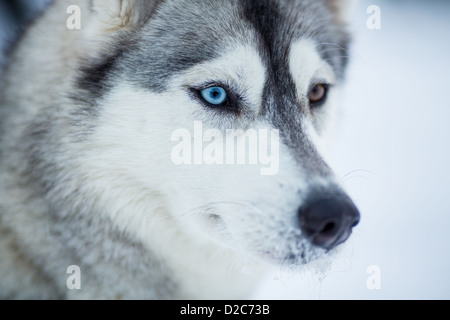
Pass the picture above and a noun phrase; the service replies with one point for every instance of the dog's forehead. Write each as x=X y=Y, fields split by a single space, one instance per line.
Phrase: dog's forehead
x=282 y=23
x=276 y=22
x=185 y=33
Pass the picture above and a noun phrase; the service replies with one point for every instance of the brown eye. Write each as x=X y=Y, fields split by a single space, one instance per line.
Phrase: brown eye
x=318 y=94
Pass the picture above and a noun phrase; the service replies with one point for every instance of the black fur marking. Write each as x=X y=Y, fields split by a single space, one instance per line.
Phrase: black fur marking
x=94 y=77
x=278 y=25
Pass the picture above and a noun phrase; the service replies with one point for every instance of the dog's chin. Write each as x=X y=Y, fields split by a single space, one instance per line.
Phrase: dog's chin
x=291 y=250
x=302 y=254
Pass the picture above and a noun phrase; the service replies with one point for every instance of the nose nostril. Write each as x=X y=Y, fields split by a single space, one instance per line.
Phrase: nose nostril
x=328 y=222
x=328 y=229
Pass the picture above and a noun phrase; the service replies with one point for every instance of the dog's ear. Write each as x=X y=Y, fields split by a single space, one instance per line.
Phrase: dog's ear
x=341 y=9
x=116 y=15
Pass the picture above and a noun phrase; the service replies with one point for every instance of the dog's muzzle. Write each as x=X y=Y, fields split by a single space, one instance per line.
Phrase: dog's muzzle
x=328 y=222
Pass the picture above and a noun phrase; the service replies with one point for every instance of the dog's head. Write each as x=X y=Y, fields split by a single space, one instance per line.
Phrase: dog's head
x=221 y=109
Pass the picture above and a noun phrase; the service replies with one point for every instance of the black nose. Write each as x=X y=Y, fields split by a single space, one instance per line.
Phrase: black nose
x=328 y=222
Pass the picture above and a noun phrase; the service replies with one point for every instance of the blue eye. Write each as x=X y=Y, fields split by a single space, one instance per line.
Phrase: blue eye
x=214 y=95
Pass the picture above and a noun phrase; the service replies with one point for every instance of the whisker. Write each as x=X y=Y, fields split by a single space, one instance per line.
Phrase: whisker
x=215 y=204
x=330 y=44
x=200 y=210
x=353 y=173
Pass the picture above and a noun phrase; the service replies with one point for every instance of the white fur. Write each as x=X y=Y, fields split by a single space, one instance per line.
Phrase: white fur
x=162 y=198
x=307 y=69
x=168 y=207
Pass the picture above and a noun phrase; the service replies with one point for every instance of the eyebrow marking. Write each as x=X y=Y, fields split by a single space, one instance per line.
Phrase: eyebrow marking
x=306 y=67
x=241 y=68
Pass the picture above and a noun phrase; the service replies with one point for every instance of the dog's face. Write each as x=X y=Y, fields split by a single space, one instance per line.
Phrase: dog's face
x=196 y=77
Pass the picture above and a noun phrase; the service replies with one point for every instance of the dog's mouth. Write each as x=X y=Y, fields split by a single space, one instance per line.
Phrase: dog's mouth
x=285 y=248
x=321 y=225
x=294 y=254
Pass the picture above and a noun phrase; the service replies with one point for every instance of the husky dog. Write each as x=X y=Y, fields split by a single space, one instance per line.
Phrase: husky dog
x=87 y=116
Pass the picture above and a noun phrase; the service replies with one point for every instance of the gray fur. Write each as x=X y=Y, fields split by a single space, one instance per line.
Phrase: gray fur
x=47 y=223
